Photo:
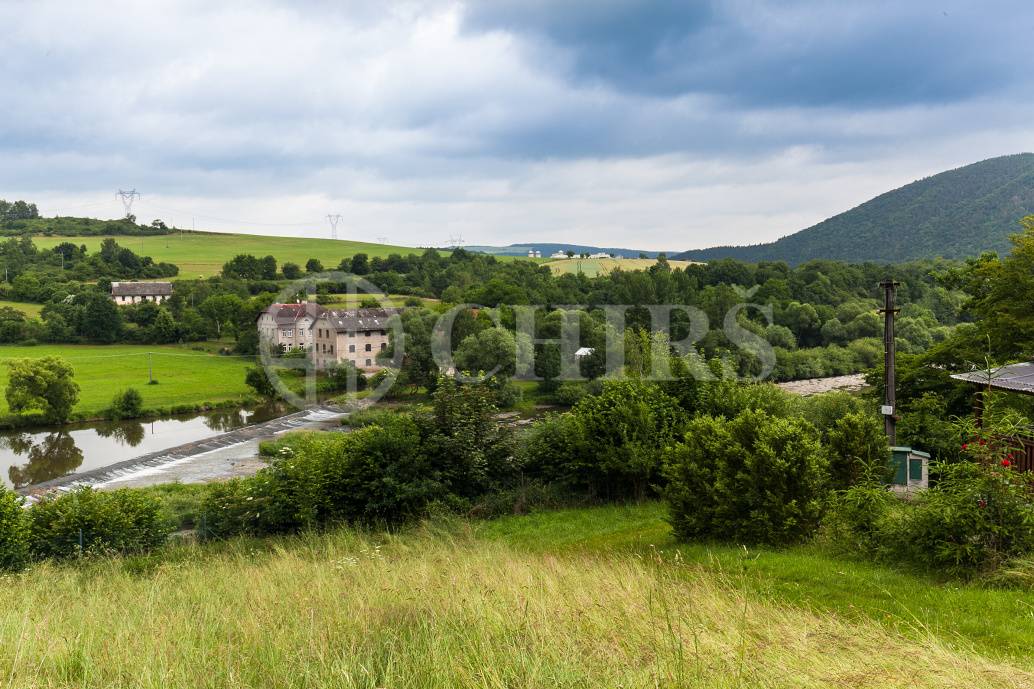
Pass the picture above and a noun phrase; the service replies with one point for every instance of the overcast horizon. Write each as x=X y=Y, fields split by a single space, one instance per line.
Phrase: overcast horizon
x=661 y=126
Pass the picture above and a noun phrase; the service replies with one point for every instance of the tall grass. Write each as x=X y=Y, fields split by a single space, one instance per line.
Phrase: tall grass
x=440 y=609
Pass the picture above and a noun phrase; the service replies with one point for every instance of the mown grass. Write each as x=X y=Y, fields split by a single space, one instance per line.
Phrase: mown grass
x=202 y=254
x=447 y=607
x=185 y=376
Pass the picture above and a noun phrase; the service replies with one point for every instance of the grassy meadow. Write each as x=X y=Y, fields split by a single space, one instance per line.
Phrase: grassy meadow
x=594 y=267
x=581 y=598
x=202 y=254
x=30 y=310
x=184 y=376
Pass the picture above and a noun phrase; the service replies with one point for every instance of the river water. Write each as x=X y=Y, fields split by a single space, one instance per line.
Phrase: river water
x=37 y=455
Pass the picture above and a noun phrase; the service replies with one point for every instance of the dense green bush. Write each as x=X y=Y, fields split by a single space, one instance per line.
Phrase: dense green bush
x=570 y=393
x=86 y=521
x=974 y=519
x=623 y=432
x=127 y=404
x=386 y=472
x=857 y=448
x=14 y=531
x=729 y=398
x=856 y=520
x=754 y=479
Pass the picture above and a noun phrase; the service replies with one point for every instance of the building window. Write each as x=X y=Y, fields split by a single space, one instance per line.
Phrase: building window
x=331 y=349
x=369 y=347
x=369 y=362
x=384 y=345
x=351 y=348
x=289 y=332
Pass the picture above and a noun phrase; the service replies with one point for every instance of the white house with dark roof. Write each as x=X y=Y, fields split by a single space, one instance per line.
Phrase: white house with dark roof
x=287 y=326
x=355 y=335
x=136 y=292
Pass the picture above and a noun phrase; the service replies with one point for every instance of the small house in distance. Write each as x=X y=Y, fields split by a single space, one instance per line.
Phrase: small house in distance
x=136 y=292
x=287 y=326
x=355 y=335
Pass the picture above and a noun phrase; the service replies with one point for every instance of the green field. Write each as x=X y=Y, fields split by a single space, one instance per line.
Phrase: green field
x=580 y=598
x=593 y=267
x=31 y=310
x=184 y=376
x=202 y=254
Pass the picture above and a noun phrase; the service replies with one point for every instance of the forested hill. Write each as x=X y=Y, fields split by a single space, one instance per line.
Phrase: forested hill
x=953 y=214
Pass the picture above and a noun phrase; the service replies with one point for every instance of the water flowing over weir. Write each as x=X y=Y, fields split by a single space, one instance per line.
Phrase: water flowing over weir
x=194 y=449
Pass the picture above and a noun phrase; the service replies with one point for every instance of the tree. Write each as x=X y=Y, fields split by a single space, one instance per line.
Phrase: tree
x=361 y=264
x=291 y=271
x=99 y=318
x=164 y=329
x=313 y=265
x=45 y=384
x=491 y=350
x=221 y=310
x=258 y=381
x=267 y=268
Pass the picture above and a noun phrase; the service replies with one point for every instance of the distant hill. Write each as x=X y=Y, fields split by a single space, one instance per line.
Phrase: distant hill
x=954 y=214
x=548 y=248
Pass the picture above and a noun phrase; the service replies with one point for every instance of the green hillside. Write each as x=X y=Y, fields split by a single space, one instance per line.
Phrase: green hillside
x=953 y=214
x=202 y=254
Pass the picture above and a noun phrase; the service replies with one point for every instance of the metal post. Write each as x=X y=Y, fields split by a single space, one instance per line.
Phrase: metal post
x=150 y=371
x=889 y=402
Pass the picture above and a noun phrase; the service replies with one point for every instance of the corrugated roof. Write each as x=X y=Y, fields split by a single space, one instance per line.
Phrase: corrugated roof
x=141 y=289
x=1014 y=377
x=358 y=320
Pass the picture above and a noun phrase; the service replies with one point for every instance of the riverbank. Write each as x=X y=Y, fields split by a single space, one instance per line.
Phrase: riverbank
x=816 y=386
x=219 y=457
x=187 y=379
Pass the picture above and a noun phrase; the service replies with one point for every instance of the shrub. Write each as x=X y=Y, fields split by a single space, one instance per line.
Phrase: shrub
x=856 y=519
x=550 y=450
x=86 y=521
x=754 y=479
x=729 y=398
x=127 y=404
x=624 y=431
x=857 y=449
x=14 y=531
x=974 y=519
x=570 y=393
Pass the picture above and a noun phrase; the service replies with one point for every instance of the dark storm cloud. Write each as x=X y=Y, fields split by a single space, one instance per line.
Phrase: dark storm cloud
x=844 y=54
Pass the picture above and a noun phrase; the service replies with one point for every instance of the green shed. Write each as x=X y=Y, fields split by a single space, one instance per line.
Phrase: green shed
x=911 y=468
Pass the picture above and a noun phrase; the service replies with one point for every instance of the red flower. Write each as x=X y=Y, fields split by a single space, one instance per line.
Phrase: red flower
x=981 y=503
x=1006 y=463
x=965 y=446
x=982 y=442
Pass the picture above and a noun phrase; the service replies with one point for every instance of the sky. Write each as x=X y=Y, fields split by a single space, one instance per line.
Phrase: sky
x=663 y=125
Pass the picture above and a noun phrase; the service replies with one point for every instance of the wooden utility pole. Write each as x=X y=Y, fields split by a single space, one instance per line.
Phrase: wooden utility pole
x=889 y=403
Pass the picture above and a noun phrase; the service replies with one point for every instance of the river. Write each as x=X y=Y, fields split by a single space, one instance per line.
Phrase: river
x=33 y=456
